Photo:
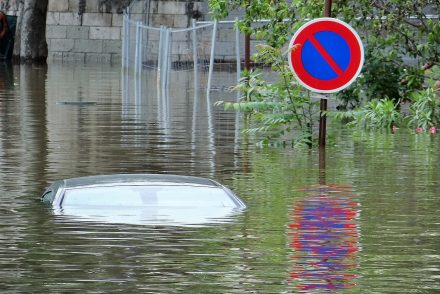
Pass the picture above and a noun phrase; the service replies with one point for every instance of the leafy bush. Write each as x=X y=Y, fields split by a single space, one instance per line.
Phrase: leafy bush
x=423 y=113
x=393 y=31
x=283 y=110
x=424 y=109
x=376 y=114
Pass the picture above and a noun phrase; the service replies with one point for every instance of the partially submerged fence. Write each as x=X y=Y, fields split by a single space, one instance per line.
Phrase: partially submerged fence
x=160 y=50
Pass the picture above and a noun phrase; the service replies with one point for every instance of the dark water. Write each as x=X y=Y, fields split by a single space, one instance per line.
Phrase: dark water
x=366 y=222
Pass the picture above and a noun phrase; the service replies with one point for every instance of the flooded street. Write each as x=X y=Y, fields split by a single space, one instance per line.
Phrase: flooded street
x=363 y=219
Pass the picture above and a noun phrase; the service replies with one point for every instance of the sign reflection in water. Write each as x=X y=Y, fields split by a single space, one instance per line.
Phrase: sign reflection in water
x=325 y=238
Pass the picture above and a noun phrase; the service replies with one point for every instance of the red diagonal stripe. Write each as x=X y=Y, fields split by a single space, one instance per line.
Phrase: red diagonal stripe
x=327 y=57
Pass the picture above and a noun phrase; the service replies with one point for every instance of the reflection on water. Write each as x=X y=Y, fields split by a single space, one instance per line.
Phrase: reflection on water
x=6 y=76
x=150 y=216
x=325 y=238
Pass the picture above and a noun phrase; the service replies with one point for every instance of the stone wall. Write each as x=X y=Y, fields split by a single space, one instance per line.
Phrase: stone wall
x=92 y=35
x=9 y=6
x=91 y=30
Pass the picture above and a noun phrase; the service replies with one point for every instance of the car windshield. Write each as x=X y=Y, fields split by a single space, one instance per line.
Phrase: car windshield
x=148 y=195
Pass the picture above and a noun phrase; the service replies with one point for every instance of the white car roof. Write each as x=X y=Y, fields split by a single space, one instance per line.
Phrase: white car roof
x=137 y=178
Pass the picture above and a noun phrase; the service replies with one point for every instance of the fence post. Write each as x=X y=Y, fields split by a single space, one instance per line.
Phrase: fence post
x=137 y=56
x=237 y=50
x=124 y=40
x=211 y=60
x=141 y=51
x=195 y=58
x=165 y=49
x=159 y=55
x=169 y=53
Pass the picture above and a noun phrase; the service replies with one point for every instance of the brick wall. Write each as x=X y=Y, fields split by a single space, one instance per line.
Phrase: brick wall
x=93 y=36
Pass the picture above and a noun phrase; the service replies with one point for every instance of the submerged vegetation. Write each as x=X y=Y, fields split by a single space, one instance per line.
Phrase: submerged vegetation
x=398 y=86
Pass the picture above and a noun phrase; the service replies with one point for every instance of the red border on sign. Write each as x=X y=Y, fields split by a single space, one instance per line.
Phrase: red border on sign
x=356 y=52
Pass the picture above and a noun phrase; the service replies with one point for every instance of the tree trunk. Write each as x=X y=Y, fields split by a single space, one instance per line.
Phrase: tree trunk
x=30 y=37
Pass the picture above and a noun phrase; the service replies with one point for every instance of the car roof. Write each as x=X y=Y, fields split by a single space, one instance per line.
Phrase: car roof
x=137 y=178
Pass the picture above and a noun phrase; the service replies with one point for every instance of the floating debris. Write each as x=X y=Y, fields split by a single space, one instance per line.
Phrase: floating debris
x=78 y=103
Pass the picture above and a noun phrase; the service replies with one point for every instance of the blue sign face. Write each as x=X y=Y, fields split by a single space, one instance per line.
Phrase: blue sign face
x=317 y=63
x=326 y=55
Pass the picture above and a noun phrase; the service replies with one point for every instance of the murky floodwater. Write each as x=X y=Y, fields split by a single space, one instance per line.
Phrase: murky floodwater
x=366 y=222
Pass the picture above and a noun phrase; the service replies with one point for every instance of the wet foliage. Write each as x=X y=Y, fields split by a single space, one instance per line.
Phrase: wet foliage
x=401 y=40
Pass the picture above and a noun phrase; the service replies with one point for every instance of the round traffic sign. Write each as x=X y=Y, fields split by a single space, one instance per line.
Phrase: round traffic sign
x=326 y=55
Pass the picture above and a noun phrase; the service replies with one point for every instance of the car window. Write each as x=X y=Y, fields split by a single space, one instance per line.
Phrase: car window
x=190 y=196
x=117 y=196
x=148 y=196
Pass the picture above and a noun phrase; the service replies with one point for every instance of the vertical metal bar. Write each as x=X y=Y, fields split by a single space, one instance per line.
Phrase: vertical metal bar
x=137 y=79
x=128 y=40
x=195 y=58
x=137 y=94
x=136 y=56
x=167 y=77
x=238 y=61
x=159 y=71
x=164 y=74
x=196 y=88
x=124 y=40
x=163 y=56
x=237 y=51
x=141 y=51
x=323 y=102
x=196 y=93
x=169 y=59
x=164 y=59
x=211 y=133
x=211 y=60
x=159 y=54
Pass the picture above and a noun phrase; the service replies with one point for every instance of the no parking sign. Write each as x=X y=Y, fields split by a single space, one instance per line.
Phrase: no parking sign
x=329 y=55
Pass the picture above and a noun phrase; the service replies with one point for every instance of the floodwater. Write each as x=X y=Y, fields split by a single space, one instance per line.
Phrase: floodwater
x=362 y=218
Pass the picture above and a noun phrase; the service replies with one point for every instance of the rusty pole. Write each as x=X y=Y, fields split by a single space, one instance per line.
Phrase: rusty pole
x=247 y=42
x=328 y=8
x=247 y=50
x=323 y=102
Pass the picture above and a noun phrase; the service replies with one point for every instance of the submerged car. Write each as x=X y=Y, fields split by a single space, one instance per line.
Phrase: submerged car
x=143 y=199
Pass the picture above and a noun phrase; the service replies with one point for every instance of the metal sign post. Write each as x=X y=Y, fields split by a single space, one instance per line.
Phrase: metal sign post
x=323 y=102
x=328 y=57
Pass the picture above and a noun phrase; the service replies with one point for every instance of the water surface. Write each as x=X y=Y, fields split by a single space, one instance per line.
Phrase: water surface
x=363 y=219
